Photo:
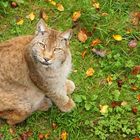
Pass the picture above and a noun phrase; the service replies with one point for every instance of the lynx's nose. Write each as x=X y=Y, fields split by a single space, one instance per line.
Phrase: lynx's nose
x=47 y=61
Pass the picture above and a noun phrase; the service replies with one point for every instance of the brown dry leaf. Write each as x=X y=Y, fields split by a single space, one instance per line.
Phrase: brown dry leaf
x=90 y=72
x=136 y=138
x=60 y=7
x=82 y=36
x=138 y=97
x=76 y=15
x=134 y=88
x=84 y=53
x=64 y=135
x=115 y=104
x=135 y=18
x=95 y=42
x=136 y=70
x=43 y=15
x=54 y=125
x=31 y=16
x=100 y=53
x=134 y=110
x=40 y=136
x=19 y=21
x=109 y=80
x=133 y=43
x=103 y=109
x=117 y=37
x=13 y=4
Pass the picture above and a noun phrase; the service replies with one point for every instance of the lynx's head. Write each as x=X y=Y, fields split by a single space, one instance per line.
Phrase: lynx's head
x=50 y=48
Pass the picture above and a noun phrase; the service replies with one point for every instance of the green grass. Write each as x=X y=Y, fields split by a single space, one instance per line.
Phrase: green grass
x=86 y=121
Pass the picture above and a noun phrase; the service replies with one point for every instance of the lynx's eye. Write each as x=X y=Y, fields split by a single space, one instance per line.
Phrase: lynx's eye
x=58 y=50
x=42 y=44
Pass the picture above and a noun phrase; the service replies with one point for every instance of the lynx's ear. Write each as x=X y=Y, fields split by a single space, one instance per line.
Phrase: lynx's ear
x=67 y=34
x=41 y=27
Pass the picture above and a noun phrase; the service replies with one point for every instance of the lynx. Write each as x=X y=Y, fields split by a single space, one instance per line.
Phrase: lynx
x=33 y=74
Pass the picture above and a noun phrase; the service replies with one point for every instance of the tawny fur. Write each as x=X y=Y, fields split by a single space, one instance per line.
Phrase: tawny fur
x=31 y=68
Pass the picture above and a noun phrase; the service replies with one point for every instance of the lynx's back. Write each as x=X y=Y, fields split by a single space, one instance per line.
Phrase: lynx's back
x=13 y=66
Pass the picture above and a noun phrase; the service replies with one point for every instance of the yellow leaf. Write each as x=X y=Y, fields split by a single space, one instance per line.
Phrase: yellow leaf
x=60 y=7
x=117 y=37
x=53 y=3
x=103 y=109
x=90 y=72
x=31 y=16
x=20 y=21
x=96 y=5
x=64 y=135
x=109 y=80
x=76 y=15
x=124 y=103
x=82 y=36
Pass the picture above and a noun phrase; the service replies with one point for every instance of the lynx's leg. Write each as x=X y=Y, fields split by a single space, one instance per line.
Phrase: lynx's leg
x=70 y=86
x=45 y=104
x=63 y=102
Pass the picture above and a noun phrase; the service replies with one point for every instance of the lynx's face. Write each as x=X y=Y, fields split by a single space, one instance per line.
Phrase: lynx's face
x=50 y=47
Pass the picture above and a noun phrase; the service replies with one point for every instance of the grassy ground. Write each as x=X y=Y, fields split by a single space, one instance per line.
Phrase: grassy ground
x=86 y=122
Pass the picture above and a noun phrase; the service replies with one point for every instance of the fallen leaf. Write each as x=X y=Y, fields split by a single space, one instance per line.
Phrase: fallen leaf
x=135 y=18
x=43 y=15
x=120 y=83
x=12 y=131
x=1 y=136
x=132 y=43
x=60 y=7
x=134 y=88
x=138 y=97
x=19 y=21
x=109 y=80
x=128 y=31
x=100 y=53
x=40 y=136
x=90 y=72
x=54 y=125
x=95 y=42
x=76 y=15
x=124 y=103
x=47 y=135
x=84 y=53
x=134 y=110
x=96 y=5
x=136 y=70
x=13 y=4
x=53 y=2
x=136 y=138
x=115 y=104
x=31 y=16
x=26 y=135
x=82 y=36
x=64 y=135
x=104 y=14
x=103 y=109
x=117 y=37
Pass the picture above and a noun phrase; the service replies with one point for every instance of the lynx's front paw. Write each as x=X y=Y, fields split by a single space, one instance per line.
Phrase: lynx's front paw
x=68 y=106
x=45 y=104
x=70 y=86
